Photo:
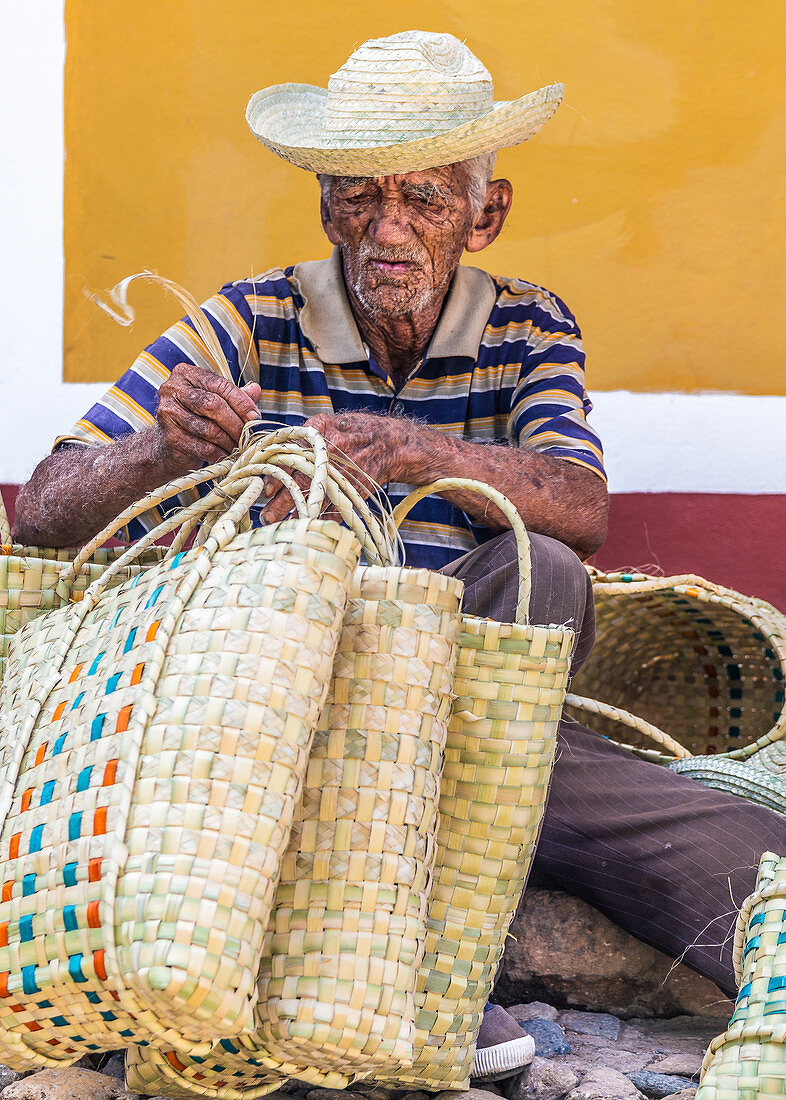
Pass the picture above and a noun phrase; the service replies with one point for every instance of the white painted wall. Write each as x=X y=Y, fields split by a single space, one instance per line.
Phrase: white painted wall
x=654 y=442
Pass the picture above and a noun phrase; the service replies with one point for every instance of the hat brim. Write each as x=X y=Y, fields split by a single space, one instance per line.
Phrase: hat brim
x=288 y=119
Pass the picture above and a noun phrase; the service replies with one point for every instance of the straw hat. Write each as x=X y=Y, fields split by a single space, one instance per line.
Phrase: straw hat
x=399 y=104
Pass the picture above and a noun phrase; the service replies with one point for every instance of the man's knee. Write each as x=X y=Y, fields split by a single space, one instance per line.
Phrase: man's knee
x=561 y=590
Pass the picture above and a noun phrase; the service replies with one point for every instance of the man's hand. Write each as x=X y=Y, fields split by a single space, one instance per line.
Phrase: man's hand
x=374 y=443
x=200 y=417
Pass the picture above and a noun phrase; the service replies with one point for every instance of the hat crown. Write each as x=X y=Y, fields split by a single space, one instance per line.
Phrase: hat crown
x=397 y=88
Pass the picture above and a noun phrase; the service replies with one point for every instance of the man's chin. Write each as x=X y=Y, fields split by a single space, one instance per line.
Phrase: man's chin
x=391 y=300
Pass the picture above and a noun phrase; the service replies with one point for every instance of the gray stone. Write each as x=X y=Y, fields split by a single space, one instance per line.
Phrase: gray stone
x=543 y=1080
x=8 y=1076
x=534 y=1010
x=333 y=1094
x=549 y=1037
x=684 y=1094
x=658 y=1085
x=603 y=1083
x=565 y=952
x=68 y=1084
x=467 y=1094
x=602 y=1024
x=115 y=1066
x=678 y=1065
x=418 y=1094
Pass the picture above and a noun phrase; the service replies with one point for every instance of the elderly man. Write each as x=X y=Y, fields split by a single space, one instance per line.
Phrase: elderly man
x=417 y=368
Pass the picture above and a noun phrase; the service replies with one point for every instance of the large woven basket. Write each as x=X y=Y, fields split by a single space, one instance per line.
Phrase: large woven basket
x=701 y=662
x=510 y=686
x=33 y=580
x=509 y=683
x=748 y=1061
x=337 y=980
x=699 y=669
x=153 y=740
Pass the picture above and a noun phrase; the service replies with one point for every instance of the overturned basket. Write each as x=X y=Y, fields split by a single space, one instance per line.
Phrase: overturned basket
x=703 y=663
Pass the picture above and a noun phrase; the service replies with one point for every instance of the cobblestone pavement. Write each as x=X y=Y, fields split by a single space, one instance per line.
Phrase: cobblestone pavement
x=578 y=1056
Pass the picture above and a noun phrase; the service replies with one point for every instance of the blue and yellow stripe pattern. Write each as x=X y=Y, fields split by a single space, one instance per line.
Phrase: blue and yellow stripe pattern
x=506 y=364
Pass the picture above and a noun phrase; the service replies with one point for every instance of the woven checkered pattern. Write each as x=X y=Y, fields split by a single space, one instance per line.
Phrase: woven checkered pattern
x=748 y=1061
x=32 y=581
x=510 y=685
x=700 y=662
x=153 y=740
x=337 y=979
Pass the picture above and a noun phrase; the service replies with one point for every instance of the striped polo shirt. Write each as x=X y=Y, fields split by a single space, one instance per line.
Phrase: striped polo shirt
x=505 y=365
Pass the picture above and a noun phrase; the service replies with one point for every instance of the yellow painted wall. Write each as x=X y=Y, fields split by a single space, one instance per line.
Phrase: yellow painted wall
x=654 y=203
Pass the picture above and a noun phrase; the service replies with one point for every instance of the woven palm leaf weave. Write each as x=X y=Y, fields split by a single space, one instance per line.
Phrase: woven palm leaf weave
x=701 y=662
x=510 y=683
x=153 y=739
x=337 y=979
x=31 y=580
x=748 y=1061
x=696 y=667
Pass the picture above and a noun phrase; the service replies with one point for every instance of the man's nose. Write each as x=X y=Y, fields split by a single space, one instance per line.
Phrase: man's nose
x=390 y=225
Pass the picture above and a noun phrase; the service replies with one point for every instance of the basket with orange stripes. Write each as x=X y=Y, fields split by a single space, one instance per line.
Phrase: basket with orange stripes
x=153 y=740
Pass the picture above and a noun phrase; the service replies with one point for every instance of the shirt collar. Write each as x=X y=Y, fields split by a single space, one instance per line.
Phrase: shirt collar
x=326 y=317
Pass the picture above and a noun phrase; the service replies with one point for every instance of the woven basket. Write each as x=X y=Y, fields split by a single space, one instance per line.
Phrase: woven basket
x=509 y=682
x=748 y=1061
x=510 y=685
x=337 y=980
x=153 y=739
x=31 y=580
x=701 y=662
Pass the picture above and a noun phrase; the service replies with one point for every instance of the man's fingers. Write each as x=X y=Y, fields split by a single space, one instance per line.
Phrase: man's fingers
x=216 y=393
x=178 y=419
x=211 y=406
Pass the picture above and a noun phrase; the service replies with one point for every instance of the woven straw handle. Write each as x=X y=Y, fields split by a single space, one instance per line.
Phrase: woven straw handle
x=445 y=484
x=625 y=718
x=258 y=450
x=5 y=526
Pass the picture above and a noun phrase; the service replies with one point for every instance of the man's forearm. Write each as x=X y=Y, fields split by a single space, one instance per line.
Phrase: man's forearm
x=552 y=495
x=77 y=491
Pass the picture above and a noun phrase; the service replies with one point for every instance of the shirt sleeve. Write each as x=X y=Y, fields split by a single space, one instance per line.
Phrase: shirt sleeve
x=549 y=407
x=130 y=405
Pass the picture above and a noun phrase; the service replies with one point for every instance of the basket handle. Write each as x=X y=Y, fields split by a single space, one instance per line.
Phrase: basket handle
x=257 y=449
x=5 y=526
x=443 y=485
x=625 y=718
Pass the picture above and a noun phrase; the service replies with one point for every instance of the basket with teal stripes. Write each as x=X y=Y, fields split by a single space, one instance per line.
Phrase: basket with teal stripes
x=695 y=667
x=33 y=579
x=153 y=742
x=748 y=1061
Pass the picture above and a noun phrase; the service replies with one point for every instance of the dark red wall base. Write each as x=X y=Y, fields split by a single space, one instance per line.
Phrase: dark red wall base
x=733 y=539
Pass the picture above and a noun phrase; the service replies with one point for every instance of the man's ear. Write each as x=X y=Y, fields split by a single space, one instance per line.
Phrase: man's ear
x=499 y=196
x=327 y=224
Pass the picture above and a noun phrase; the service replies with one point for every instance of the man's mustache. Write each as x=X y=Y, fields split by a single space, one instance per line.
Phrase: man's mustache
x=403 y=254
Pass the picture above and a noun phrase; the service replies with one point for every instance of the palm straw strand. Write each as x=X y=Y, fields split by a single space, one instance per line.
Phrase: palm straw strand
x=616 y=714
x=115 y=303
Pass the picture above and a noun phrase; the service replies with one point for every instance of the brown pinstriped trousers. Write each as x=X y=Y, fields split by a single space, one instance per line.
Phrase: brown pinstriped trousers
x=658 y=853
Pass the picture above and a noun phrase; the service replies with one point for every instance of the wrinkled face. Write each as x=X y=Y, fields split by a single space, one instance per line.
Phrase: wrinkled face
x=401 y=237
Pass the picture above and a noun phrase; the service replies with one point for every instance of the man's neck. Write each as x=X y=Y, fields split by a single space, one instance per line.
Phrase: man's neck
x=397 y=343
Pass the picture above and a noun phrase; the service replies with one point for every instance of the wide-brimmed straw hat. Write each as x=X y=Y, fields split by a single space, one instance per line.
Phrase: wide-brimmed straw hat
x=412 y=101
